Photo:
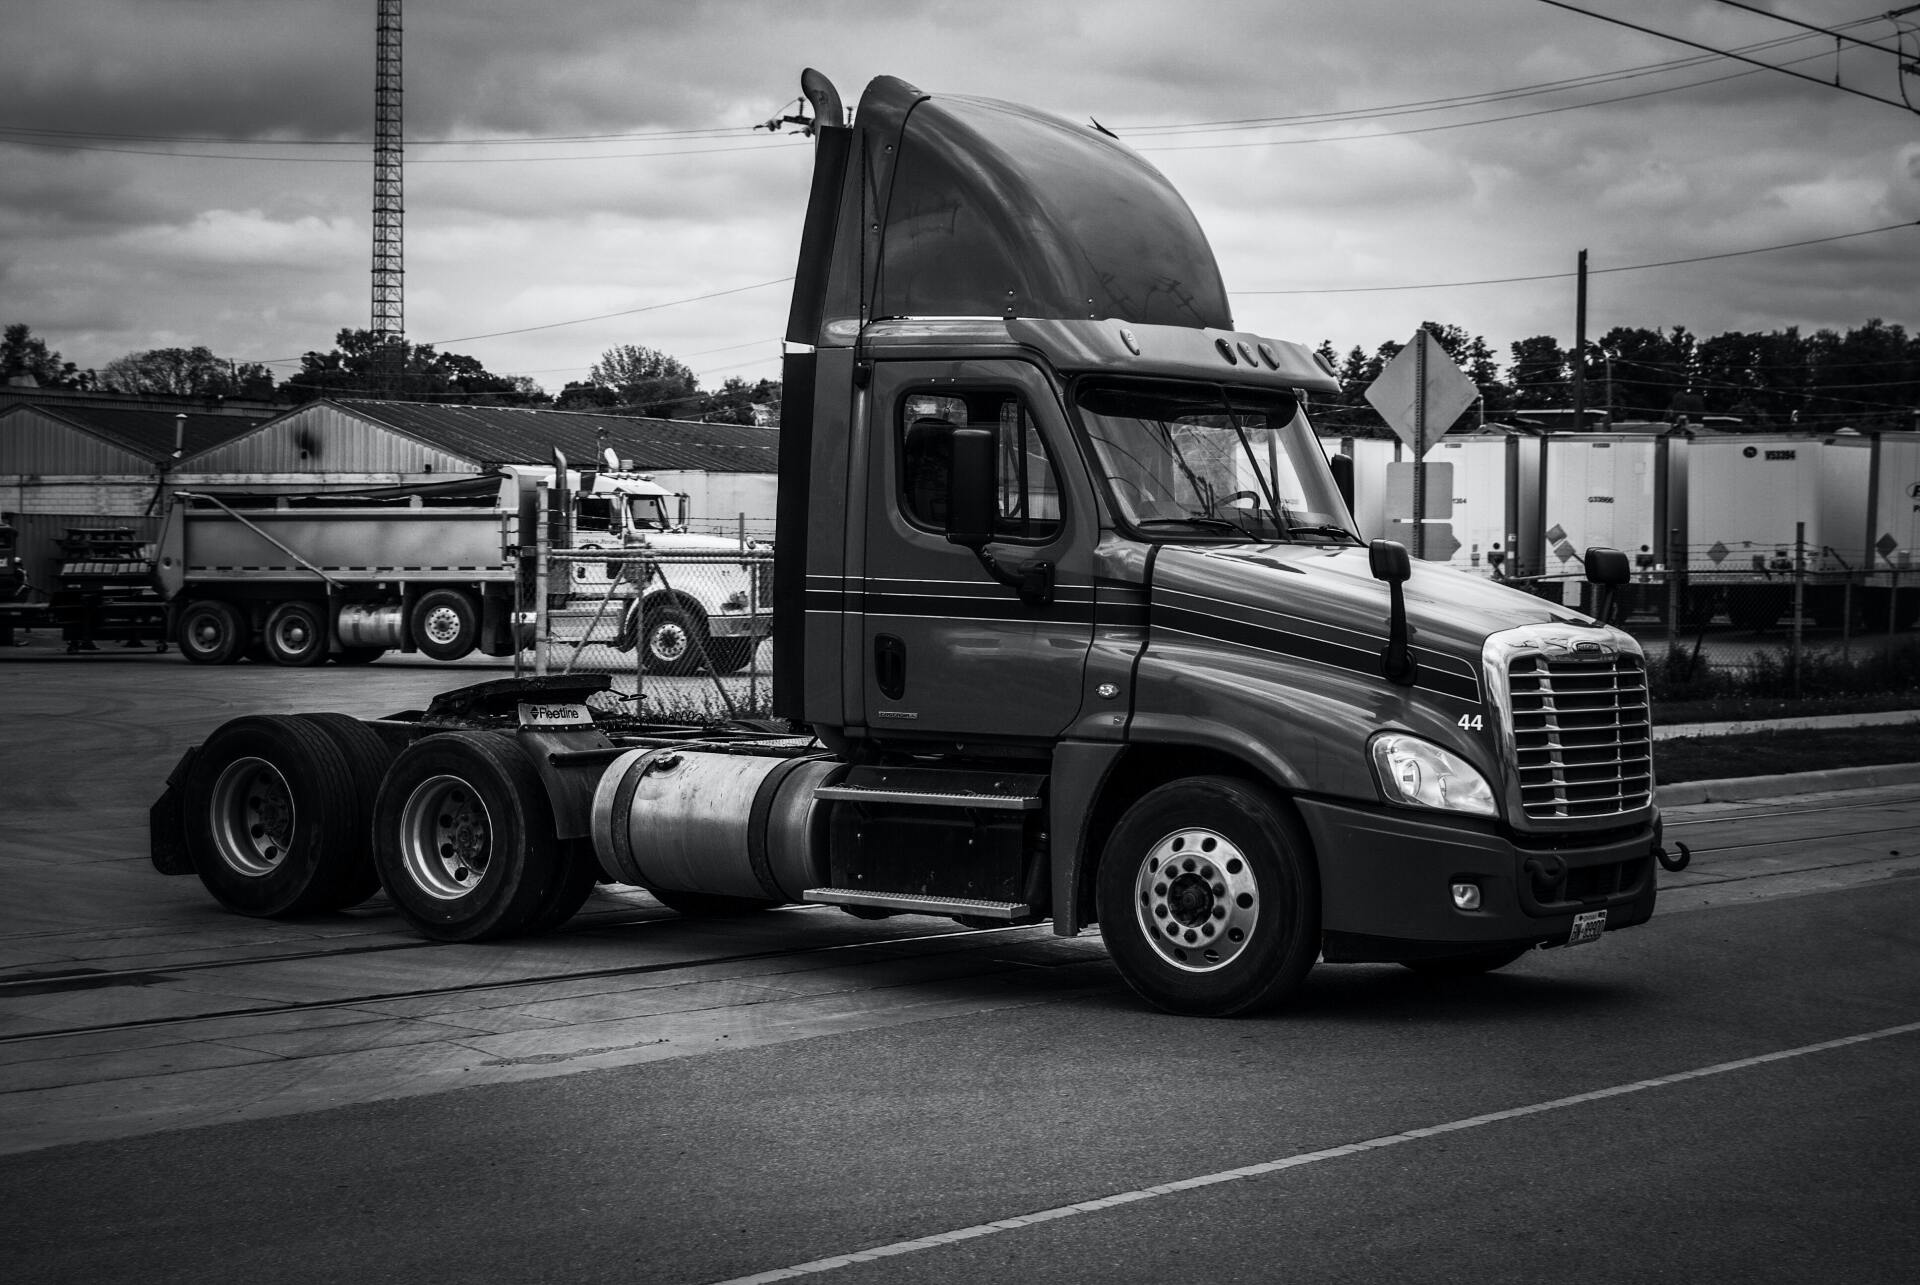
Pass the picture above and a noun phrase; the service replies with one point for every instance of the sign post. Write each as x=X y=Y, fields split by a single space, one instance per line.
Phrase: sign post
x=1414 y=393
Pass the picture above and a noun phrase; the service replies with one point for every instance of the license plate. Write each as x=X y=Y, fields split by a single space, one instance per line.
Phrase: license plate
x=1587 y=927
x=555 y=715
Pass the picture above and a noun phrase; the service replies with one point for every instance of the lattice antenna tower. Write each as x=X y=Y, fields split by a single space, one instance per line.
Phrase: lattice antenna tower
x=389 y=206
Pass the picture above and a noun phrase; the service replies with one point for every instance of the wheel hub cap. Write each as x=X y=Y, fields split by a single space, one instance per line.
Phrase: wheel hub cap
x=446 y=837
x=253 y=817
x=443 y=624
x=669 y=642
x=1196 y=900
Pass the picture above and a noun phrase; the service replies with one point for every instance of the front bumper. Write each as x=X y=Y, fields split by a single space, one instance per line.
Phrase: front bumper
x=757 y=625
x=1385 y=877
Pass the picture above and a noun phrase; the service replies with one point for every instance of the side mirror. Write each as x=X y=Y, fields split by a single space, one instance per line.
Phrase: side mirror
x=1342 y=466
x=1607 y=566
x=971 y=504
x=1389 y=562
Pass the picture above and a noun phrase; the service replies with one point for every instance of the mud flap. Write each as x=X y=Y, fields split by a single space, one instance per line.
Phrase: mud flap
x=166 y=826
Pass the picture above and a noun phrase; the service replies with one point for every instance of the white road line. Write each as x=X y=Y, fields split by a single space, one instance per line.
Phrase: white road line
x=938 y=1239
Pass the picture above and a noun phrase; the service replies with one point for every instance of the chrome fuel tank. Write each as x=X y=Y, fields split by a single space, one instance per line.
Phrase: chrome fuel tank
x=732 y=825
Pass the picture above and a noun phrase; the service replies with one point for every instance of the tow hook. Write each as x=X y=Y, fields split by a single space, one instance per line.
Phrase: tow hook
x=1677 y=861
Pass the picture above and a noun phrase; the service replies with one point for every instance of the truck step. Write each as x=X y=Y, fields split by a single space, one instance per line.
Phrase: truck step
x=918 y=903
x=938 y=788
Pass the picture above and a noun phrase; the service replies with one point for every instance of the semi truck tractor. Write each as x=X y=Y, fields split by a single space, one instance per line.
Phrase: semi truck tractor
x=432 y=568
x=1071 y=624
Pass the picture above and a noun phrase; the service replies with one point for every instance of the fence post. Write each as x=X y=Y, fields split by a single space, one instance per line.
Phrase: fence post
x=1799 y=597
x=541 y=548
x=1893 y=601
x=1846 y=618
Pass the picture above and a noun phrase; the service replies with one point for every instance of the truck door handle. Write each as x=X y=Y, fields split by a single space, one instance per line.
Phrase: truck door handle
x=890 y=665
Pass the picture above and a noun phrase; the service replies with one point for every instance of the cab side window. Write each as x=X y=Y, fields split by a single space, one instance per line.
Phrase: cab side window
x=1026 y=488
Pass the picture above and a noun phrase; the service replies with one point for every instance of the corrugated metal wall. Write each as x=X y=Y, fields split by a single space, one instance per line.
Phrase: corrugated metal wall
x=325 y=439
x=32 y=442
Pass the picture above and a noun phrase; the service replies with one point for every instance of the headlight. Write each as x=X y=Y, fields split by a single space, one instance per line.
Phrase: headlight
x=1421 y=774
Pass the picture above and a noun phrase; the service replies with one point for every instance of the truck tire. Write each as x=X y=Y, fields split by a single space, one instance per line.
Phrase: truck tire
x=446 y=624
x=1208 y=897
x=730 y=655
x=296 y=634
x=367 y=758
x=463 y=838
x=674 y=641
x=275 y=825
x=1485 y=961
x=212 y=632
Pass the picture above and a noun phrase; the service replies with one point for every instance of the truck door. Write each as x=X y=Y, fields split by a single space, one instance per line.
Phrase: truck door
x=947 y=649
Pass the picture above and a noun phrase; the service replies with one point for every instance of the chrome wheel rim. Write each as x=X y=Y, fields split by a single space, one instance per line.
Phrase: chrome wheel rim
x=441 y=625
x=1196 y=900
x=446 y=837
x=293 y=635
x=668 y=641
x=253 y=817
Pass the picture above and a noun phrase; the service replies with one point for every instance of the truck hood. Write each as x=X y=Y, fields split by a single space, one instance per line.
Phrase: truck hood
x=1322 y=603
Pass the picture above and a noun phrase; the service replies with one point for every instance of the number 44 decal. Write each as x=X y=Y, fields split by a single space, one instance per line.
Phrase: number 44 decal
x=1471 y=722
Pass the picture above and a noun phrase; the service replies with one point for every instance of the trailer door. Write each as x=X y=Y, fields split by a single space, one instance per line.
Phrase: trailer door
x=948 y=650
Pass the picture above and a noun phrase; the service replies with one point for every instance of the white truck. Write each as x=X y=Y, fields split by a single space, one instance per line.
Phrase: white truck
x=441 y=569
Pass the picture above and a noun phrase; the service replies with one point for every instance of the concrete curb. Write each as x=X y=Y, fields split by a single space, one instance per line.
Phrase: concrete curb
x=1882 y=719
x=1736 y=789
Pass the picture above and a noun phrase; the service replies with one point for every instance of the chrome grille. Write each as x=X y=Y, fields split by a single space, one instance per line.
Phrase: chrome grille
x=1582 y=735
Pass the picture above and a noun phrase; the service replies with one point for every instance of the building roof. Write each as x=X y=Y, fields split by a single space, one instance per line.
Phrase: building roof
x=148 y=433
x=492 y=435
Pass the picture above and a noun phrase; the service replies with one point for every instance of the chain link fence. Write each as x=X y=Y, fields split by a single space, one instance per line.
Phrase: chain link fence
x=684 y=635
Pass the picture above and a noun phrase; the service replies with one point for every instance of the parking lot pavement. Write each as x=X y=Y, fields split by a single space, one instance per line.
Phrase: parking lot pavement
x=130 y=1002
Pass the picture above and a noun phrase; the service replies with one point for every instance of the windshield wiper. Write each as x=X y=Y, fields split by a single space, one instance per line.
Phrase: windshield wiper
x=1320 y=528
x=1215 y=524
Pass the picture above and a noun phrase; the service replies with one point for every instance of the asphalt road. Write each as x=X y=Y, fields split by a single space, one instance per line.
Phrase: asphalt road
x=1726 y=1093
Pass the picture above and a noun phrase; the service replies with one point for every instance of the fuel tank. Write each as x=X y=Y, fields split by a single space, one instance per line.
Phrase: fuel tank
x=732 y=825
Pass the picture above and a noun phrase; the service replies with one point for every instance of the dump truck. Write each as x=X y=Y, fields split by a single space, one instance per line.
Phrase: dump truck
x=1071 y=625
x=437 y=568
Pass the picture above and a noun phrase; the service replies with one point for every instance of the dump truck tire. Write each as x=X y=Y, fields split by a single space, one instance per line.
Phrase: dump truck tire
x=212 y=632
x=295 y=634
x=446 y=624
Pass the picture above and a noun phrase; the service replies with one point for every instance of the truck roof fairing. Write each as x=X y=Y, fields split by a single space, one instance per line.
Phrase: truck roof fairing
x=955 y=206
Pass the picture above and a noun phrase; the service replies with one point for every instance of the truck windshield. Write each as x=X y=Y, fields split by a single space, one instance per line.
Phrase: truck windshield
x=1199 y=461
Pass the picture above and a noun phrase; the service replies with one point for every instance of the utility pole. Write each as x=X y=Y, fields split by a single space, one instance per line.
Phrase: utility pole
x=389 y=206
x=1580 y=348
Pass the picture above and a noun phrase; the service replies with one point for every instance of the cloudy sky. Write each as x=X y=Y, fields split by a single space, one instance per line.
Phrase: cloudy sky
x=583 y=173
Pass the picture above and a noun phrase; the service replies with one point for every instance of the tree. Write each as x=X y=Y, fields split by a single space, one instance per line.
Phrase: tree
x=363 y=365
x=26 y=359
x=739 y=402
x=186 y=372
x=646 y=381
x=1538 y=374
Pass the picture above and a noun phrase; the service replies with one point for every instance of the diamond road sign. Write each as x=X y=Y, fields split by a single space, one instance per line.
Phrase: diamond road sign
x=1407 y=401
x=1886 y=544
x=1718 y=553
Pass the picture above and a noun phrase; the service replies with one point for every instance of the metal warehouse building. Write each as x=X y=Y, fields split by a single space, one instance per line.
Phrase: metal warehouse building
x=73 y=460
x=726 y=470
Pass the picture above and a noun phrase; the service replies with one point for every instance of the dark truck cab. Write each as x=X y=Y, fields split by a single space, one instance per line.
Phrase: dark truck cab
x=1071 y=622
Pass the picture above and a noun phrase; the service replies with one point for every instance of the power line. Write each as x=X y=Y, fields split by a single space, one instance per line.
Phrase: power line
x=1836 y=33
x=1557 y=276
x=1694 y=44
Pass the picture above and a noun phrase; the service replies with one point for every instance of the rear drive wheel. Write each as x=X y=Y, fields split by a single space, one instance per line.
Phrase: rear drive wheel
x=1485 y=961
x=275 y=824
x=296 y=634
x=446 y=624
x=1208 y=898
x=463 y=838
x=211 y=632
x=367 y=758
